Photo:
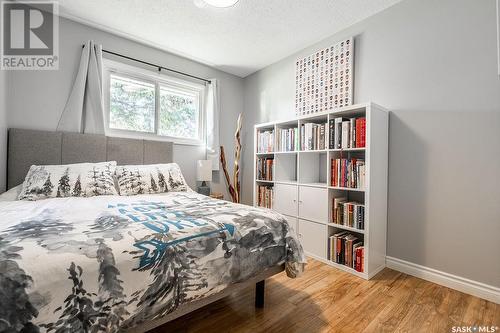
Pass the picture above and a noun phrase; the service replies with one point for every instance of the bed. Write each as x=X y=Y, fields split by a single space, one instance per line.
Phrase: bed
x=125 y=263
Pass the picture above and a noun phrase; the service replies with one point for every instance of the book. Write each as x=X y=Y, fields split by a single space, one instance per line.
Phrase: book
x=265 y=168
x=265 y=141
x=346 y=249
x=321 y=143
x=362 y=135
x=286 y=139
x=352 y=132
x=350 y=239
x=347 y=173
x=355 y=254
x=313 y=136
x=331 y=134
x=331 y=248
x=346 y=129
x=340 y=248
x=360 y=259
x=265 y=196
x=334 y=250
x=347 y=133
x=338 y=133
x=336 y=204
x=358 y=132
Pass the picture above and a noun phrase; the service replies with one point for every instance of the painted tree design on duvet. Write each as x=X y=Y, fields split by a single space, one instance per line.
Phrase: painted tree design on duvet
x=84 y=311
x=79 y=313
x=108 y=227
x=42 y=229
x=16 y=309
x=112 y=298
x=174 y=275
x=176 y=270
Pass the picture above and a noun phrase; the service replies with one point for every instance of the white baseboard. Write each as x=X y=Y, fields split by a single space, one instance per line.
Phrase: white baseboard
x=467 y=286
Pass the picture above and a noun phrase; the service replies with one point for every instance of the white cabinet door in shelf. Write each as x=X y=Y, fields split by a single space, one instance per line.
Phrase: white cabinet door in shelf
x=313 y=203
x=313 y=238
x=285 y=199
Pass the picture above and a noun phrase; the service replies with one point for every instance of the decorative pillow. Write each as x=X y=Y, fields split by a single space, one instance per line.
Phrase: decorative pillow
x=153 y=178
x=71 y=180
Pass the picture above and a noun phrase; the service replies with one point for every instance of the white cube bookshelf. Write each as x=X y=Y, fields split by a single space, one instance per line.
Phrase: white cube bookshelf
x=302 y=188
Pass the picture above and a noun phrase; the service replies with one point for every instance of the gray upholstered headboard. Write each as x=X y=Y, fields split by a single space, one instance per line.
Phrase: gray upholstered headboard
x=28 y=147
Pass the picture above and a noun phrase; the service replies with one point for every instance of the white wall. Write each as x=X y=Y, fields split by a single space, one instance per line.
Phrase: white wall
x=37 y=98
x=3 y=128
x=433 y=64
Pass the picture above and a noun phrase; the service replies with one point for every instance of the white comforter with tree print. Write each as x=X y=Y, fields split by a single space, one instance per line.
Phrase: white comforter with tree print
x=110 y=262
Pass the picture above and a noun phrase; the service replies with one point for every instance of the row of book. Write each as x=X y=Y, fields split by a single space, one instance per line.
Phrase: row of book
x=265 y=168
x=287 y=139
x=341 y=133
x=265 y=196
x=347 y=133
x=313 y=136
x=348 y=173
x=350 y=214
x=346 y=249
x=265 y=141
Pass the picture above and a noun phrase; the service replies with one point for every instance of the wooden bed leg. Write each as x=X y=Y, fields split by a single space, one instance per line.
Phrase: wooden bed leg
x=259 y=294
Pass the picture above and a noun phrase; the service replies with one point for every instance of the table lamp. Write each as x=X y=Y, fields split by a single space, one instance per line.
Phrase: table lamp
x=203 y=175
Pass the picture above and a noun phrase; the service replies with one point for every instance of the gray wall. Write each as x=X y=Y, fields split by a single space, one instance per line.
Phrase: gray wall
x=3 y=128
x=433 y=64
x=37 y=98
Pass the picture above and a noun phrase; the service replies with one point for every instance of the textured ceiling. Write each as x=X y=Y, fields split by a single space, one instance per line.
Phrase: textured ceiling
x=239 y=40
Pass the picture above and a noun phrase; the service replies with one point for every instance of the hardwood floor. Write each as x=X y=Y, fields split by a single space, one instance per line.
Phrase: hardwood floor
x=325 y=299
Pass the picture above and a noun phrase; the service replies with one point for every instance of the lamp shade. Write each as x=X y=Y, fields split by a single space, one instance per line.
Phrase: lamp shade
x=221 y=3
x=204 y=170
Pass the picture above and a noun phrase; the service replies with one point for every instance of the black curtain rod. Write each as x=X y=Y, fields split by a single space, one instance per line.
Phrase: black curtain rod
x=154 y=65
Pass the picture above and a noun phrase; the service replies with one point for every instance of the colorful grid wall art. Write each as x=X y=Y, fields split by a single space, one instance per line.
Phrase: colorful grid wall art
x=324 y=80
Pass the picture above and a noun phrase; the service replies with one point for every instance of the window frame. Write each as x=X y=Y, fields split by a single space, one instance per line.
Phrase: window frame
x=159 y=80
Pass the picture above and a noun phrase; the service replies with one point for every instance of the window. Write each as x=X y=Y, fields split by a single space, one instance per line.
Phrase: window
x=144 y=104
x=179 y=114
x=131 y=104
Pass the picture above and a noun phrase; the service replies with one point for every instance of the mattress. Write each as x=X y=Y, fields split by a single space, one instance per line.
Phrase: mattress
x=112 y=262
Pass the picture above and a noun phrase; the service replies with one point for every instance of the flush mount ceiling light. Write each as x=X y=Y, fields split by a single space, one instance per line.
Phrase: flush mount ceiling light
x=216 y=3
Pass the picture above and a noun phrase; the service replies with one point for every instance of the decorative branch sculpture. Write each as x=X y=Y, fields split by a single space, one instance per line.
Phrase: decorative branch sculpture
x=234 y=187
x=226 y=174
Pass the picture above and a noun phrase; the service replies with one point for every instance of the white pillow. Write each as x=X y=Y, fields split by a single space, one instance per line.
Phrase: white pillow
x=71 y=180
x=12 y=194
x=148 y=179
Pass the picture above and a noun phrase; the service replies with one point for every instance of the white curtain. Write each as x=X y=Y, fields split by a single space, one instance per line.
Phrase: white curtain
x=84 y=110
x=213 y=110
